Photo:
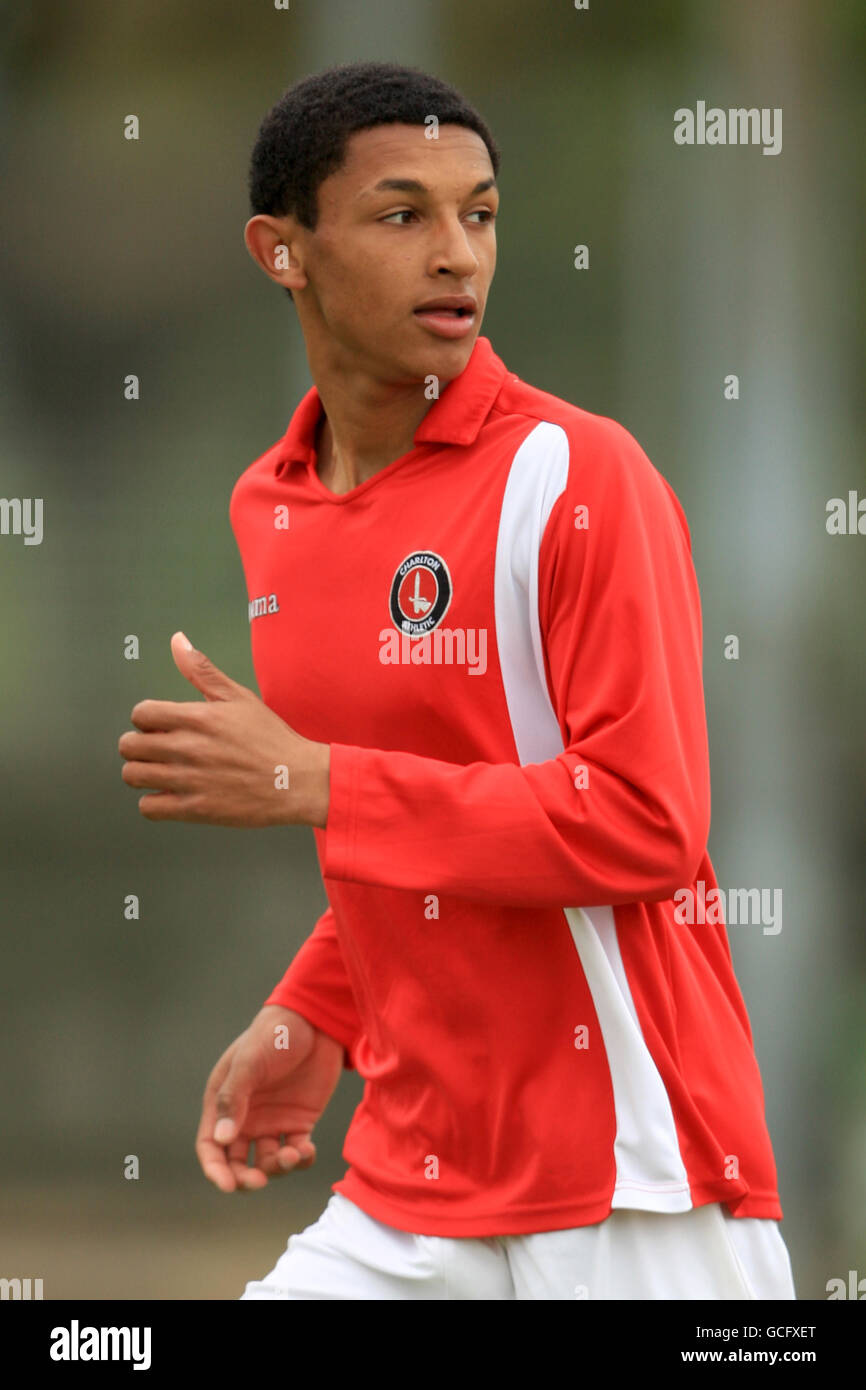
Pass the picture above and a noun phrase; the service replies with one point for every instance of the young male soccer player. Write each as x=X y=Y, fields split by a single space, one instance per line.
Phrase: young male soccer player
x=476 y=630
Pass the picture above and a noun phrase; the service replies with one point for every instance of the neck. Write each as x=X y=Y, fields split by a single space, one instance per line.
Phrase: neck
x=369 y=423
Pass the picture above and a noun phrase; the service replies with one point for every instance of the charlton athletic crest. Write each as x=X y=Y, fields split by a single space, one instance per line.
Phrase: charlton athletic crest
x=420 y=593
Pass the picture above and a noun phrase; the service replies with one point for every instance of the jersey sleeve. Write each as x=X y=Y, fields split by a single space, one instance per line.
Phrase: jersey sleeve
x=317 y=986
x=622 y=813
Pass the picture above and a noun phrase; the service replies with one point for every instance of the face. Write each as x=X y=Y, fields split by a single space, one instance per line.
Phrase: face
x=404 y=222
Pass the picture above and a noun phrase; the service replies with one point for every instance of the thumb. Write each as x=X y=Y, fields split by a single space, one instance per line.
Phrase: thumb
x=201 y=672
x=232 y=1102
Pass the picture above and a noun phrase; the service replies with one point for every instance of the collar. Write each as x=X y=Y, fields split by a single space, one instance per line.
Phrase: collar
x=455 y=418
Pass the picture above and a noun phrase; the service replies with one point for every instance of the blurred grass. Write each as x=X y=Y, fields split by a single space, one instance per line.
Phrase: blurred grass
x=91 y=1242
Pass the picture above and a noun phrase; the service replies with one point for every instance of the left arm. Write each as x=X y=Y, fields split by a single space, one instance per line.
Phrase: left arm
x=620 y=620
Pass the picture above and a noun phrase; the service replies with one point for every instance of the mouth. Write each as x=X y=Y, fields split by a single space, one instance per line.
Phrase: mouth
x=450 y=317
x=460 y=305
x=454 y=313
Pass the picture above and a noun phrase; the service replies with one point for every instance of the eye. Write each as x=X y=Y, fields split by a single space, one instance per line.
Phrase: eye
x=487 y=213
x=404 y=212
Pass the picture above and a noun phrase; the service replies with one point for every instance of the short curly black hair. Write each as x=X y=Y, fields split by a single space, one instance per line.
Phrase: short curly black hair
x=303 y=137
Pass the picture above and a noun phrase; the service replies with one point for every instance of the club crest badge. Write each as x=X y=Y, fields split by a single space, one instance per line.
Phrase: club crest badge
x=420 y=593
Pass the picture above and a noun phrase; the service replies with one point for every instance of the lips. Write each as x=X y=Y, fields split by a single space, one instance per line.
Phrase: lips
x=449 y=316
x=456 y=306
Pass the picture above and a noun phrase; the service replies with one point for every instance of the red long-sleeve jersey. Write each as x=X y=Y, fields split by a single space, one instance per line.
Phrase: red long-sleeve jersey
x=499 y=635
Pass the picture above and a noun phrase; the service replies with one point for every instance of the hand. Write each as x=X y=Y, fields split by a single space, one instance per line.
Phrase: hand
x=229 y=761
x=259 y=1092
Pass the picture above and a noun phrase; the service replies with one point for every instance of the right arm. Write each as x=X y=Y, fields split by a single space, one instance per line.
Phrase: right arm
x=317 y=987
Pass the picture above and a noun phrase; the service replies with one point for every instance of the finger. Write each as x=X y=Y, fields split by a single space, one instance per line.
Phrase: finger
x=236 y=1157
x=214 y=1164
x=297 y=1154
x=152 y=747
x=231 y=1100
x=291 y=1152
x=211 y=1155
x=265 y=1159
x=224 y=1107
x=225 y=1166
x=247 y=1179
x=212 y=1089
x=169 y=777
x=163 y=715
x=251 y=1180
x=307 y=1150
x=169 y=806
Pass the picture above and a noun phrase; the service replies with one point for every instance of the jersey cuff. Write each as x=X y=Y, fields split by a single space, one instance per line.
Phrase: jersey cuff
x=289 y=997
x=341 y=829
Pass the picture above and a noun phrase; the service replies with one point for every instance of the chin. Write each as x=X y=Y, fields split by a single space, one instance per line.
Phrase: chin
x=443 y=357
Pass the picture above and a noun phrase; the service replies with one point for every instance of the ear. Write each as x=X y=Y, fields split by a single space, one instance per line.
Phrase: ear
x=273 y=243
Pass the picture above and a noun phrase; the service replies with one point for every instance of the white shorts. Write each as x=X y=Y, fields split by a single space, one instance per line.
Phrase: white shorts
x=704 y=1253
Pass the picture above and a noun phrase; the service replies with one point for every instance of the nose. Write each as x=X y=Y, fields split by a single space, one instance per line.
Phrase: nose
x=452 y=252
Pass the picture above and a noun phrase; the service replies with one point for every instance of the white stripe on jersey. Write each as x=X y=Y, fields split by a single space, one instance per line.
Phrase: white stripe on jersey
x=650 y=1173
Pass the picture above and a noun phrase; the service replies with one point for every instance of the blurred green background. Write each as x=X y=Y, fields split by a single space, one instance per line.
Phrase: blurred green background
x=127 y=257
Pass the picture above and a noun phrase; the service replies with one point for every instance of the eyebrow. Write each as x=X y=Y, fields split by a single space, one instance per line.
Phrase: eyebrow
x=415 y=186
